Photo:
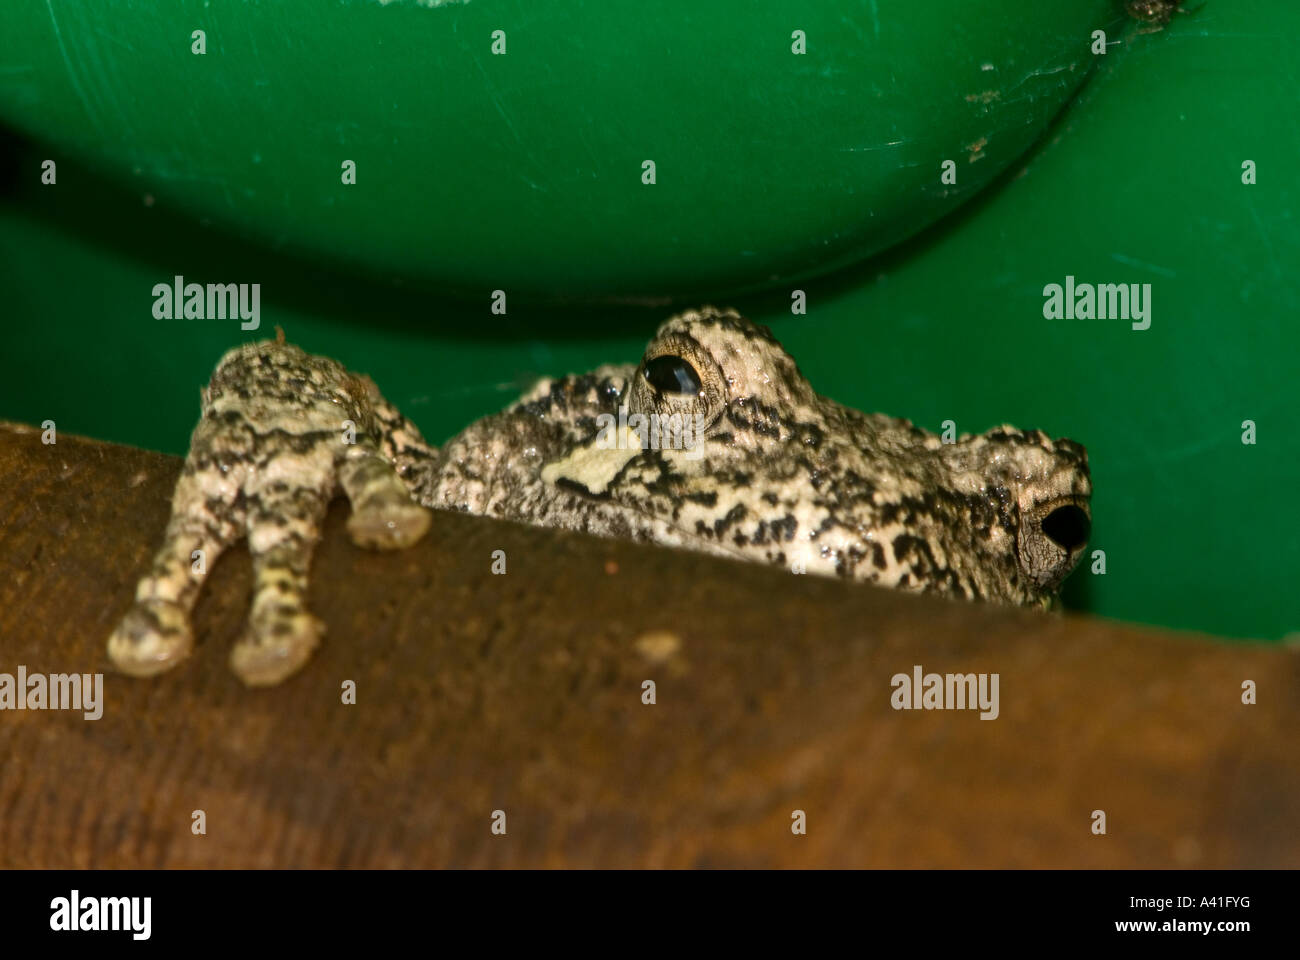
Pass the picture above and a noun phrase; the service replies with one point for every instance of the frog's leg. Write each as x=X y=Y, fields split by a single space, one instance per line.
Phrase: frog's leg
x=284 y=526
x=207 y=516
x=280 y=432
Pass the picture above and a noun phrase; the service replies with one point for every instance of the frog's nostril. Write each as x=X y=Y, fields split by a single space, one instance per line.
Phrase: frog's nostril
x=1068 y=527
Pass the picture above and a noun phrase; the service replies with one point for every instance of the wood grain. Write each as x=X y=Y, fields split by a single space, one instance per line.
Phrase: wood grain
x=522 y=693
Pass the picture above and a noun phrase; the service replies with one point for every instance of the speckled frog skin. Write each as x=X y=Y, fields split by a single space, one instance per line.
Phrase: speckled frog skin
x=776 y=474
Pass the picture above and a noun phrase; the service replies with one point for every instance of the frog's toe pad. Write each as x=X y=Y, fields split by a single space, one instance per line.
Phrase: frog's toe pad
x=277 y=643
x=388 y=523
x=153 y=637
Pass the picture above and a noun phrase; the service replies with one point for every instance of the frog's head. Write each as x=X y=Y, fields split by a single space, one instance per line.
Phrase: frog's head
x=1041 y=488
x=775 y=472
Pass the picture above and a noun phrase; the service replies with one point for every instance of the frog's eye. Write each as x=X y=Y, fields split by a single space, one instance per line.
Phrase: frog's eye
x=679 y=378
x=670 y=374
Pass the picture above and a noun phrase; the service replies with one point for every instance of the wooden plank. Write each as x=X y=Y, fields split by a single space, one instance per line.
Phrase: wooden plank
x=523 y=693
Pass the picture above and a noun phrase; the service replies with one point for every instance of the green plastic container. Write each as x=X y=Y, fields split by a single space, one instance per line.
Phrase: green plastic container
x=506 y=144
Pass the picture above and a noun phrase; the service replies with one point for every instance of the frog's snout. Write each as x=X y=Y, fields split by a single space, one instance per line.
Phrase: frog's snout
x=1052 y=537
x=1067 y=526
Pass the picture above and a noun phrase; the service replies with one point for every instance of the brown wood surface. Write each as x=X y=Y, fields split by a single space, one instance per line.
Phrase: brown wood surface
x=522 y=693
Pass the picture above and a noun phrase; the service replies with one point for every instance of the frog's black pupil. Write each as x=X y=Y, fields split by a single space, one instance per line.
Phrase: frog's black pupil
x=669 y=374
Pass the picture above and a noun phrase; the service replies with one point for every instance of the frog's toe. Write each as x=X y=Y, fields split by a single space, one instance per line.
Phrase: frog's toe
x=279 y=640
x=384 y=517
x=153 y=637
x=389 y=526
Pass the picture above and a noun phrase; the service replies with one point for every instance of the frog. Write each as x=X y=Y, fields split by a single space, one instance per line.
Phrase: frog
x=765 y=470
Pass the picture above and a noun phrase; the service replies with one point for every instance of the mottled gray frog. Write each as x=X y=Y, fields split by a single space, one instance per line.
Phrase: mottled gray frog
x=772 y=473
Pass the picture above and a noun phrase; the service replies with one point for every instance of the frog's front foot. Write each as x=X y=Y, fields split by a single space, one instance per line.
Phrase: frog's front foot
x=279 y=507
x=280 y=433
